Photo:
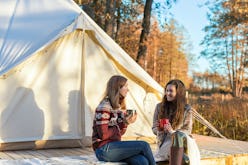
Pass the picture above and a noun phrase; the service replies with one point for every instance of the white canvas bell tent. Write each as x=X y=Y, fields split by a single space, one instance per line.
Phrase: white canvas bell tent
x=54 y=66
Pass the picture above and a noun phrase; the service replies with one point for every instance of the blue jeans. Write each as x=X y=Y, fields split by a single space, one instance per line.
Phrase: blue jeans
x=131 y=152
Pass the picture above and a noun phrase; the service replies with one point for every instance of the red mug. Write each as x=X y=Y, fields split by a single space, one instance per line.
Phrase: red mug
x=162 y=122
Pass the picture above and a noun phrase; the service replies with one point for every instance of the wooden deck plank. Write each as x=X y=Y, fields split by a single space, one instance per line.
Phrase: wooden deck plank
x=54 y=153
x=45 y=153
x=3 y=155
x=70 y=152
x=23 y=154
x=76 y=152
x=35 y=154
x=85 y=150
x=13 y=155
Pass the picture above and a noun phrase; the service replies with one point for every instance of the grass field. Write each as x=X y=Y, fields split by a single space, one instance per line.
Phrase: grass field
x=228 y=115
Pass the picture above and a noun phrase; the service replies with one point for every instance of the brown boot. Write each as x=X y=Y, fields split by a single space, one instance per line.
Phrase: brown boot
x=176 y=156
x=162 y=163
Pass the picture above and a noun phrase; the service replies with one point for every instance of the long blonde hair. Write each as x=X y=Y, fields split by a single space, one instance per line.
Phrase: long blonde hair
x=112 y=92
x=174 y=110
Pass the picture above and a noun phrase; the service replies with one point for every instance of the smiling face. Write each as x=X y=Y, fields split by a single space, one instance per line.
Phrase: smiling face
x=171 y=92
x=124 y=89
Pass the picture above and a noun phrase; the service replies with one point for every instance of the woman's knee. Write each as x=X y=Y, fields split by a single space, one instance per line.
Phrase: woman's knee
x=143 y=160
x=144 y=144
x=138 y=160
x=178 y=139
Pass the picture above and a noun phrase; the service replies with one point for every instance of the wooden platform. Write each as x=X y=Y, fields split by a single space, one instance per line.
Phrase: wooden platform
x=214 y=151
x=218 y=151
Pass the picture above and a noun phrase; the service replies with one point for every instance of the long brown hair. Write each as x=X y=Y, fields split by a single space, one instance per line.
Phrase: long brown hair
x=112 y=92
x=174 y=110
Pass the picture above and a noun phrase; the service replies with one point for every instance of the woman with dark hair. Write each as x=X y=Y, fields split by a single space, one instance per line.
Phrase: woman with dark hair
x=110 y=123
x=171 y=121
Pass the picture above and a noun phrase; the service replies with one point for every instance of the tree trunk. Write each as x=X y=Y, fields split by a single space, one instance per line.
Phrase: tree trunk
x=97 y=19
x=118 y=19
x=113 y=19
x=228 y=66
x=154 y=74
x=144 y=33
x=234 y=78
x=107 y=16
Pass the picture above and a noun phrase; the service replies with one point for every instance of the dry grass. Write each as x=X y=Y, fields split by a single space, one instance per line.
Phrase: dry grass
x=228 y=116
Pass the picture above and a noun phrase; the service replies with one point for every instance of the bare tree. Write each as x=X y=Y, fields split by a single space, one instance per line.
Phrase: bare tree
x=144 y=33
x=226 y=41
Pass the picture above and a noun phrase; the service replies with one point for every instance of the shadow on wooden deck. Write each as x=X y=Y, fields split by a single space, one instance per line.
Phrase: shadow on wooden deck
x=214 y=151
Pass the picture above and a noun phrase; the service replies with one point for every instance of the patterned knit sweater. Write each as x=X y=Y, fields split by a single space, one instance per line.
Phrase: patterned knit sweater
x=108 y=125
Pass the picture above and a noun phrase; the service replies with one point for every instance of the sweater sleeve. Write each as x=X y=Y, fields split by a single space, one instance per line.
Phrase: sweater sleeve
x=187 y=122
x=120 y=121
x=104 y=127
x=123 y=128
x=155 y=119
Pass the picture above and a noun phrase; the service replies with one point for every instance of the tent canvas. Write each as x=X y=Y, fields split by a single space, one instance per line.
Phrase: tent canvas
x=54 y=65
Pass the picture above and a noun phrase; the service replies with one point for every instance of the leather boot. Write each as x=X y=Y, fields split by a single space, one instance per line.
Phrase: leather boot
x=176 y=156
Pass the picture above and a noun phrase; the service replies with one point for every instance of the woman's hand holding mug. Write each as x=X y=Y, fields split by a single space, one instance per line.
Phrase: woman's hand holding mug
x=131 y=116
x=165 y=125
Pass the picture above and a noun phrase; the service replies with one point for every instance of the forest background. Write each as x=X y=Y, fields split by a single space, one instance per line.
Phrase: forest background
x=161 y=46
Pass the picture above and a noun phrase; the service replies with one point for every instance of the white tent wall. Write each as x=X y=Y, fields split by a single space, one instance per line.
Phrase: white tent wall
x=99 y=68
x=41 y=99
x=49 y=91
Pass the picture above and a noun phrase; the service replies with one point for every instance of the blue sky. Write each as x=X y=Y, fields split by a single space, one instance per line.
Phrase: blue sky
x=193 y=18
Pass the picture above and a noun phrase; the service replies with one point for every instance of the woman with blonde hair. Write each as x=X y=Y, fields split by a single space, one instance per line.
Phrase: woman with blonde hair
x=110 y=123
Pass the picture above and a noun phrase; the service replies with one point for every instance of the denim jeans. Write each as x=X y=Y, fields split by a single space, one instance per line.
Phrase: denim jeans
x=131 y=152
